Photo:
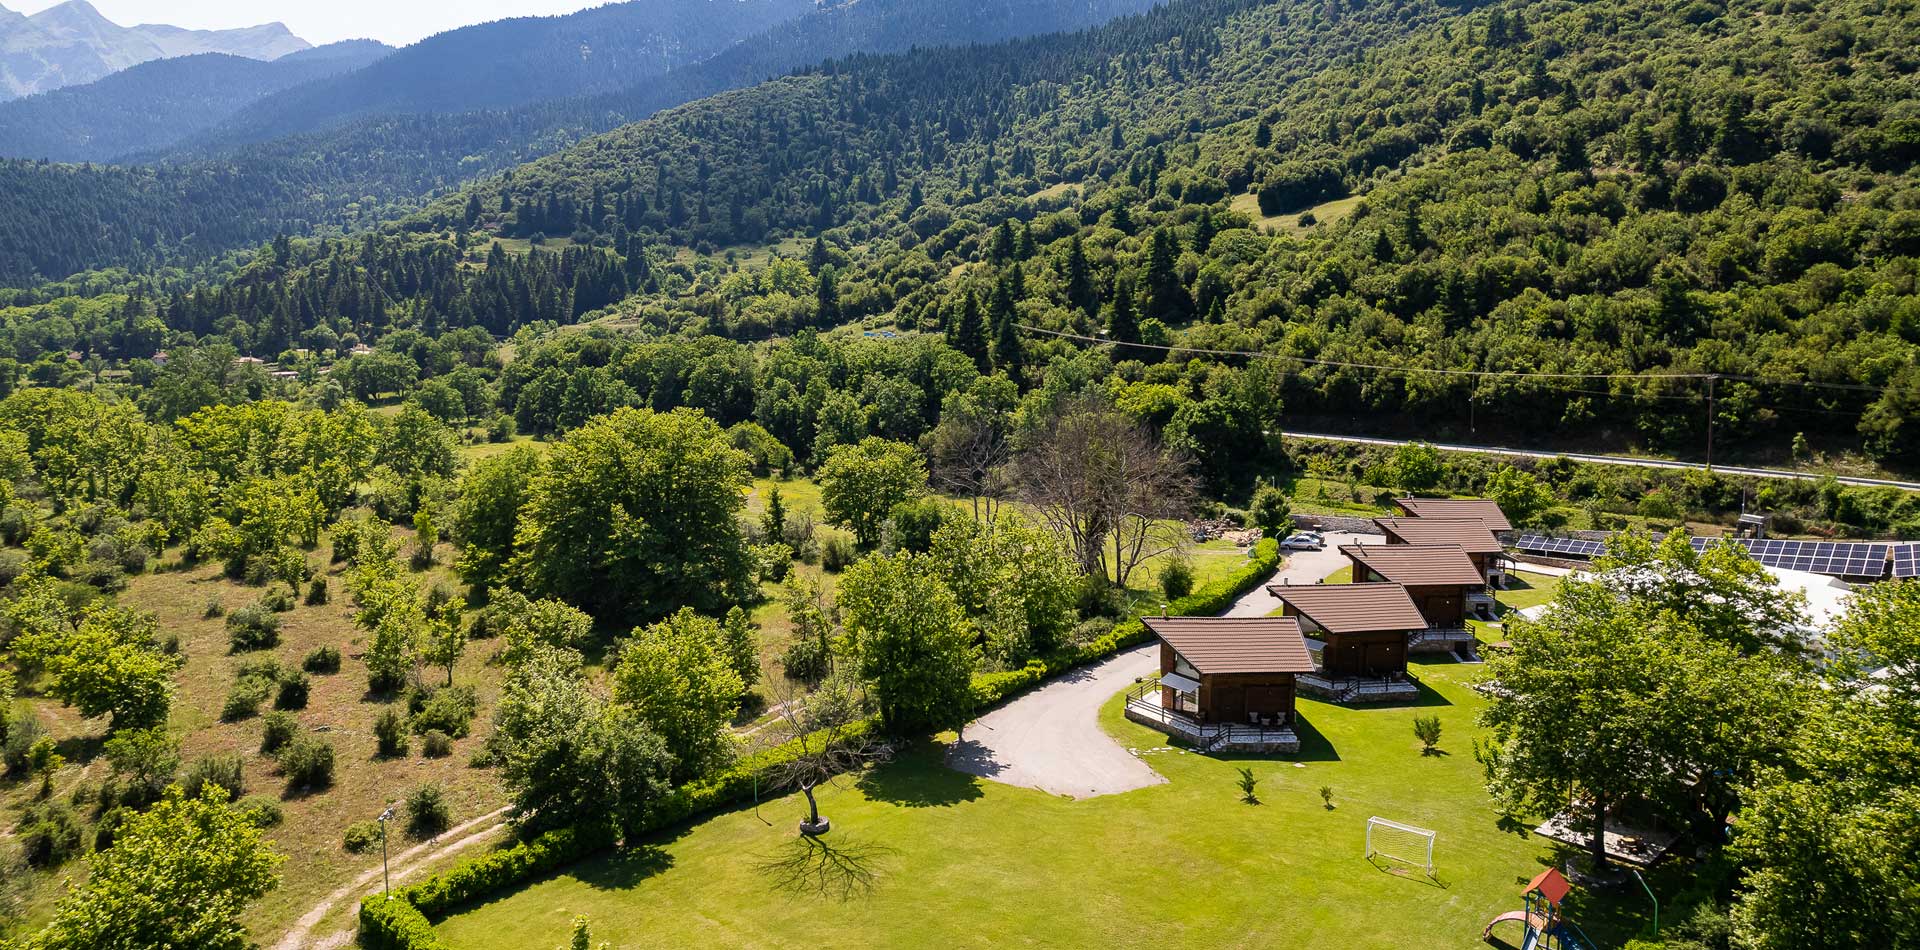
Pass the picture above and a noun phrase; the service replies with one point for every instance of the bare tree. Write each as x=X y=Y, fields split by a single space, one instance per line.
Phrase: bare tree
x=970 y=451
x=828 y=733
x=1108 y=486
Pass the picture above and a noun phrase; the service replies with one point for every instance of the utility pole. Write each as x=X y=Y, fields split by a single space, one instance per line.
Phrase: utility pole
x=385 y=876
x=1710 y=382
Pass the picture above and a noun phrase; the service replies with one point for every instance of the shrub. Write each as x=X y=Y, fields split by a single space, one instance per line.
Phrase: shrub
x=1176 y=578
x=390 y=729
x=428 y=813
x=107 y=829
x=449 y=710
x=436 y=744
x=317 y=592
x=806 y=659
x=293 y=691
x=262 y=810
x=22 y=733
x=361 y=837
x=245 y=697
x=253 y=628
x=307 y=762
x=214 y=608
x=277 y=599
x=836 y=552
x=226 y=770
x=280 y=728
x=1427 y=730
x=323 y=661
x=49 y=834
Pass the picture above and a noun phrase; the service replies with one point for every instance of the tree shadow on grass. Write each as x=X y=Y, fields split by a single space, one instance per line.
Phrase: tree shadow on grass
x=918 y=778
x=831 y=867
x=624 y=869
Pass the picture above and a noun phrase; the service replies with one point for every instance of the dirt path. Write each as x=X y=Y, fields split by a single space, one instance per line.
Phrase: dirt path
x=406 y=864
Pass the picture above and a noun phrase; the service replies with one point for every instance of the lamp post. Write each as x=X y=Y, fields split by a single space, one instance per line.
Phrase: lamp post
x=386 y=880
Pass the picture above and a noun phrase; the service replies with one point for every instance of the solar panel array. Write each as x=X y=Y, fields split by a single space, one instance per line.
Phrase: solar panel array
x=1561 y=547
x=1906 y=561
x=1835 y=558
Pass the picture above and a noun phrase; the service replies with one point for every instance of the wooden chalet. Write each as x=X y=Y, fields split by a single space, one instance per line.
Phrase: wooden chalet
x=1440 y=578
x=1225 y=682
x=1471 y=534
x=1360 y=633
x=1483 y=509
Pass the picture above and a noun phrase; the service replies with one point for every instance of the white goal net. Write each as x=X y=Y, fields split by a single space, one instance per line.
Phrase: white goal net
x=1401 y=844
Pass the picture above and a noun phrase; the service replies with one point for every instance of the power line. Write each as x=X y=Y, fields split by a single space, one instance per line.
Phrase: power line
x=1467 y=373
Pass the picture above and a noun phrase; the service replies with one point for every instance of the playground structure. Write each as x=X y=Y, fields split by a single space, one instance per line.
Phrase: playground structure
x=1543 y=916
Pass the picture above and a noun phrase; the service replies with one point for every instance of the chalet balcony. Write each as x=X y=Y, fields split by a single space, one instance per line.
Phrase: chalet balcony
x=1144 y=706
x=1394 y=688
x=1442 y=640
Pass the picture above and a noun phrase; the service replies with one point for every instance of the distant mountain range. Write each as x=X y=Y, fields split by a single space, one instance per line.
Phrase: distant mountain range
x=162 y=102
x=357 y=148
x=72 y=43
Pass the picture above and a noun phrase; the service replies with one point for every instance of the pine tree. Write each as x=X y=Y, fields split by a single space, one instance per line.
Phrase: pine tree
x=773 y=521
x=970 y=334
x=742 y=649
x=1079 y=279
x=1123 y=324
x=827 y=300
x=1167 y=298
x=1006 y=334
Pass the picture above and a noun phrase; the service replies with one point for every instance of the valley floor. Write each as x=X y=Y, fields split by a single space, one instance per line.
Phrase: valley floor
x=960 y=861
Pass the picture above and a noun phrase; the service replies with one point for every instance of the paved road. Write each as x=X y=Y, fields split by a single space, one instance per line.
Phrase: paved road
x=1301 y=567
x=1050 y=739
x=1617 y=460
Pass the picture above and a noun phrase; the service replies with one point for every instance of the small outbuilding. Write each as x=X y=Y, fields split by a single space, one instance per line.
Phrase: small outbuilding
x=1225 y=682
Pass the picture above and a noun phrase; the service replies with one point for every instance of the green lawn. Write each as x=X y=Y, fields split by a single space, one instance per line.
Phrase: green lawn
x=970 y=863
x=1525 y=589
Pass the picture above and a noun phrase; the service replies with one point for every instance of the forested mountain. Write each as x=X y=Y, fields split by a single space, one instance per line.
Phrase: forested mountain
x=158 y=103
x=517 y=61
x=72 y=43
x=1598 y=190
x=201 y=201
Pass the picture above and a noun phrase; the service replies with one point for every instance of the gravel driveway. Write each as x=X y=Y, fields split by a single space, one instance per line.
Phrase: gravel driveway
x=1050 y=739
x=1301 y=567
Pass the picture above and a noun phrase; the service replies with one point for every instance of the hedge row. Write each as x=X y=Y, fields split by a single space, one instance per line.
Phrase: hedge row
x=404 y=922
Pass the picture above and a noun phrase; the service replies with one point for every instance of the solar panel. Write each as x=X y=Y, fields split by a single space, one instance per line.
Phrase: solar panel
x=1835 y=558
x=1906 y=561
x=1561 y=547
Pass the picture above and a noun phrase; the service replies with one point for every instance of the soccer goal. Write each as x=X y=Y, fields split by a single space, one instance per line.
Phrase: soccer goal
x=1402 y=844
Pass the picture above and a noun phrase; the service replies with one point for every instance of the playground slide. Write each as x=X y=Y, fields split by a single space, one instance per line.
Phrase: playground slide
x=1518 y=916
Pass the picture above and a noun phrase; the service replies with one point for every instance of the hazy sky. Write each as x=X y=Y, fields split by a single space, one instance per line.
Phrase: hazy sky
x=397 y=22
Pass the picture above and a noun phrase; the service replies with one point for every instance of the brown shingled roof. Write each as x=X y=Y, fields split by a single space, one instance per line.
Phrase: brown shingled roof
x=1471 y=534
x=1354 y=608
x=1418 y=565
x=1236 y=644
x=1481 y=508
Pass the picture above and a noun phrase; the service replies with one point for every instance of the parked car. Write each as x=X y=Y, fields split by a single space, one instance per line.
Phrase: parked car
x=1303 y=542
